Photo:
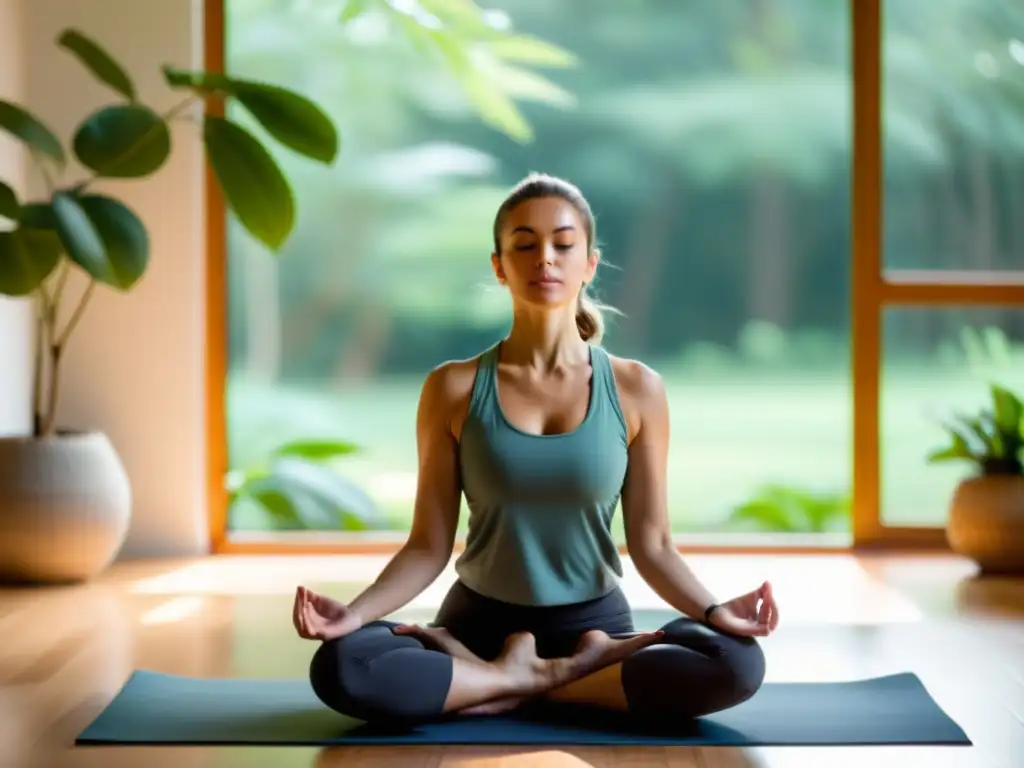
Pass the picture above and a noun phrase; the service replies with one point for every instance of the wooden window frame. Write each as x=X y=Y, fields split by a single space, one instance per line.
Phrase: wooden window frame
x=873 y=290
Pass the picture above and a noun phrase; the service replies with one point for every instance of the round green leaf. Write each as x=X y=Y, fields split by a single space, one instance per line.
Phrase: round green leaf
x=77 y=234
x=123 y=141
x=104 y=237
x=25 y=126
x=9 y=207
x=27 y=257
x=97 y=61
x=124 y=237
x=253 y=185
x=38 y=216
x=293 y=120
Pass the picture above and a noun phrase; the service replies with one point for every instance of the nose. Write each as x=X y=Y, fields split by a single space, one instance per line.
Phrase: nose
x=547 y=254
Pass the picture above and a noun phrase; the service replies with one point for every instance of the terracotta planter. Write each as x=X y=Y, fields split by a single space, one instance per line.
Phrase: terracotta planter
x=65 y=505
x=986 y=522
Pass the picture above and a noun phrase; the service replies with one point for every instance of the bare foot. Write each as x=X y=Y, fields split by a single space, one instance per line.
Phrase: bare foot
x=519 y=660
x=517 y=655
x=439 y=639
x=596 y=650
x=496 y=707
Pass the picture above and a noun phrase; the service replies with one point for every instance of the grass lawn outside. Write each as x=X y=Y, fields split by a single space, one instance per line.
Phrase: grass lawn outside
x=731 y=433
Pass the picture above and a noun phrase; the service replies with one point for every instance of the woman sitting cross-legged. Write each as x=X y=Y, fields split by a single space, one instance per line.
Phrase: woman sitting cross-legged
x=545 y=433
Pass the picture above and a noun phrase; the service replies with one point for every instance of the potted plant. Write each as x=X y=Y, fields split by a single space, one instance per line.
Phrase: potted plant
x=986 y=512
x=65 y=499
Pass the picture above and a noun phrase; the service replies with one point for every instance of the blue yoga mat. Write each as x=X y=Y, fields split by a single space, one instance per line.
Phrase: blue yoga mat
x=158 y=709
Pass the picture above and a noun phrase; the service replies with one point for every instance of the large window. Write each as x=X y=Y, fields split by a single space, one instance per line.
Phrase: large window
x=952 y=83
x=937 y=361
x=714 y=143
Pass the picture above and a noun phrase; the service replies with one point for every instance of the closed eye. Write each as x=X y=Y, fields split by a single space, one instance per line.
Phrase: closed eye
x=558 y=247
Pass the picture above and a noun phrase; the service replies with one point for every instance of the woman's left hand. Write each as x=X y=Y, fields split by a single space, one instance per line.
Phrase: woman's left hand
x=752 y=614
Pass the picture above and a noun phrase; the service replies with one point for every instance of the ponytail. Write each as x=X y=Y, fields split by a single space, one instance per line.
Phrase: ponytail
x=588 y=318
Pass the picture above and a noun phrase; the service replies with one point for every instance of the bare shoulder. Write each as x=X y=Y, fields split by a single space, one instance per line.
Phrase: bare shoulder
x=641 y=392
x=636 y=379
x=446 y=393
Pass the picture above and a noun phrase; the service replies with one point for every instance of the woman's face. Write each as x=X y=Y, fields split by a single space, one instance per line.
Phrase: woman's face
x=544 y=257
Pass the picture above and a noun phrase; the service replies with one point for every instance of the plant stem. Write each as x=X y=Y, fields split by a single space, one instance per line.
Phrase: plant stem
x=48 y=181
x=57 y=343
x=51 y=405
x=178 y=108
x=62 y=280
x=37 y=367
x=49 y=328
x=44 y=419
x=62 y=340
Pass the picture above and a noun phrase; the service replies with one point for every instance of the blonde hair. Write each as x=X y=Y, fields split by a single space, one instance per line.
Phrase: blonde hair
x=589 y=318
x=589 y=315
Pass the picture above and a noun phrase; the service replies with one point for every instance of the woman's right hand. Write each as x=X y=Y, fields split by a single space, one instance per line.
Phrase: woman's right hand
x=318 y=617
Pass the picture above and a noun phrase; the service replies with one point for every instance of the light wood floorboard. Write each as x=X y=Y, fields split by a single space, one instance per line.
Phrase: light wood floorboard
x=66 y=651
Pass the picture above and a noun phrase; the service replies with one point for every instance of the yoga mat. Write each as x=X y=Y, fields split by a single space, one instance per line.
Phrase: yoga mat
x=159 y=709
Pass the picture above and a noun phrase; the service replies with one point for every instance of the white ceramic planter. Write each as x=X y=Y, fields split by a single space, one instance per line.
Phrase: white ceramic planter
x=65 y=507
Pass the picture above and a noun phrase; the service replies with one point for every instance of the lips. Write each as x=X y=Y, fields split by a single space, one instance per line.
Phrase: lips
x=547 y=280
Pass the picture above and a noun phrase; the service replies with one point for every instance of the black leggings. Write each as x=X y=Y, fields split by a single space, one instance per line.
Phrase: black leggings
x=376 y=675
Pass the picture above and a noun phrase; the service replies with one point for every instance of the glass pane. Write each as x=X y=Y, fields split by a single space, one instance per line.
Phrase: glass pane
x=712 y=140
x=938 y=362
x=953 y=78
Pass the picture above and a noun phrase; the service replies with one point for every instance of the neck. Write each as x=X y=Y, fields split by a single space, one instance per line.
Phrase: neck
x=545 y=339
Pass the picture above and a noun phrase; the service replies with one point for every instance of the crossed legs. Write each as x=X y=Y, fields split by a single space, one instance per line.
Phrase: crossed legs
x=689 y=671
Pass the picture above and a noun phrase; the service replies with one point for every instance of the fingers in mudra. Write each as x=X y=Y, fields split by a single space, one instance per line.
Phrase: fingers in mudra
x=768 y=613
x=752 y=614
x=318 y=617
x=761 y=610
x=300 y=614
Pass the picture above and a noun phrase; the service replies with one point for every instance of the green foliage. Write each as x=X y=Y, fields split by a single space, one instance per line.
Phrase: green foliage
x=988 y=352
x=9 y=207
x=295 y=488
x=253 y=185
x=488 y=61
x=27 y=256
x=28 y=128
x=295 y=121
x=104 y=238
x=993 y=439
x=102 y=141
x=98 y=61
x=785 y=509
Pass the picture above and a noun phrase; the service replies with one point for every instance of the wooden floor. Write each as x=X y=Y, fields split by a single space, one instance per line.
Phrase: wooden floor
x=65 y=652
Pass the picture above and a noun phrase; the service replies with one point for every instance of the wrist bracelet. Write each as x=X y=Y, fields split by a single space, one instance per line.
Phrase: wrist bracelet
x=708 y=611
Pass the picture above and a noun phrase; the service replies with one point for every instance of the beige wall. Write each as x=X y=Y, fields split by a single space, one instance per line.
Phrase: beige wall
x=135 y=364
x=15 y=315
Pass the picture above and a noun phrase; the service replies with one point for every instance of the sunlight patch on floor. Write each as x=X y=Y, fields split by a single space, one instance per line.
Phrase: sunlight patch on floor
x=176 y=609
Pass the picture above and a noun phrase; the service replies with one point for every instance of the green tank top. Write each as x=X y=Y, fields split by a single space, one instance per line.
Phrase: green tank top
x=541 y=506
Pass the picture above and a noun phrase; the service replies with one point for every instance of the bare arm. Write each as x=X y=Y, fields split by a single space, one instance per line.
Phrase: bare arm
x=644 y=497
x=435 y=518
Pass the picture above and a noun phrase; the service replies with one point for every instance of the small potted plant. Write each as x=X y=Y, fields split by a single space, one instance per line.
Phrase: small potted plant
x=65 y=498
x=986 y=513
